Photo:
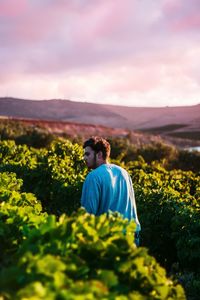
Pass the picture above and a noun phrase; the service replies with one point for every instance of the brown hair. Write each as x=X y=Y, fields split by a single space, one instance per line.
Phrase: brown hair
x=98 y=144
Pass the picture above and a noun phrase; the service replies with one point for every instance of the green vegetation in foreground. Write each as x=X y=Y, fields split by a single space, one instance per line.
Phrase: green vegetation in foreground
x=91 y=257
x=76 y=257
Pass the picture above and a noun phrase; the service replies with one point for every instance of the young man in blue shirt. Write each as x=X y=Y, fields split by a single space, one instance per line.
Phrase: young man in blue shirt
x=108 y=186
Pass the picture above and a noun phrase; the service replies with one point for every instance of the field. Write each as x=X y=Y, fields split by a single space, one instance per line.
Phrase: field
x=52 y=249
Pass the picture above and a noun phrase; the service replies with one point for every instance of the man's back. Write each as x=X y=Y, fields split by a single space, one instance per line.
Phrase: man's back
x=109 y=187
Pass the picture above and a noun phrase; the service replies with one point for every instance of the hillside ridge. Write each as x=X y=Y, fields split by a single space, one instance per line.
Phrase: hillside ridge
x=101 y=114
x=177 y=124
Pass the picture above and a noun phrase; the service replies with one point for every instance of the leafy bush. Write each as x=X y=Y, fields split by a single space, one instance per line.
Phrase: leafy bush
x=55 y=175
x=57 y=179
x=27 y=134
x=167 y=201
x=87 y=257
x=168 y=208
x=19 y=212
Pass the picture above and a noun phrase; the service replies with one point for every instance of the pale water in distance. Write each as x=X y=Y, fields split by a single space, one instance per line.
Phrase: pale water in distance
x=193 y=148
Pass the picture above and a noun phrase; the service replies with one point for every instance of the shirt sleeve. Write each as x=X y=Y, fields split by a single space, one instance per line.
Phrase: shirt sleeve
x=90 y=195
x=132 y=196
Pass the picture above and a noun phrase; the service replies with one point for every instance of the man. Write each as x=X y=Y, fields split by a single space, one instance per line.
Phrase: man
x=108 y=186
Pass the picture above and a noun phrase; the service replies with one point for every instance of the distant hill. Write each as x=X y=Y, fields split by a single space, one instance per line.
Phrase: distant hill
x=101 y=114
x=173 y=122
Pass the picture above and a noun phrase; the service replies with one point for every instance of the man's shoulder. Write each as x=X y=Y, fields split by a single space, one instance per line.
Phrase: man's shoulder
x=93 y=173
x=119 y=168
x=99 y=171
x=104 y=168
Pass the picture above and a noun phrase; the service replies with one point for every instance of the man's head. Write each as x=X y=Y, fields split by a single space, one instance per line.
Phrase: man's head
x=96 y=152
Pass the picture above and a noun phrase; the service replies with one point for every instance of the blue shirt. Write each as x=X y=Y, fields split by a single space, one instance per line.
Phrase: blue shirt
x=109 y=187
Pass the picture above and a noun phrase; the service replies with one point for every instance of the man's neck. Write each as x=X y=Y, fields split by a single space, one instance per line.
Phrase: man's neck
x=102 y=162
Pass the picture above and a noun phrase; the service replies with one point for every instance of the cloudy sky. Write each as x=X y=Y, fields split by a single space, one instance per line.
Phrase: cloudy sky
x=126 y=52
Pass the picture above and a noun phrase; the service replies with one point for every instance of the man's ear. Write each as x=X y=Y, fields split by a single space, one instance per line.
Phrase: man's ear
x=100 y=155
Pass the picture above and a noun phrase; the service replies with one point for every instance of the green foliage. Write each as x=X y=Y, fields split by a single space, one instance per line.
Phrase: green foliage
x=19 y=212
x=35 y=138
x=187 y=237
x=168 y=209
x=186 y=160
x=55 y=175
x=57 y=179
x=22 y=133
x=124 y=150
x=86 y=257
x=9 y=182
x=157 y=152
x=168 y=206
x=161 y=197
x=16 y=155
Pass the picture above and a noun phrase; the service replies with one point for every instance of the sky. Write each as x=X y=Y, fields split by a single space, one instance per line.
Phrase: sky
x=122 y=52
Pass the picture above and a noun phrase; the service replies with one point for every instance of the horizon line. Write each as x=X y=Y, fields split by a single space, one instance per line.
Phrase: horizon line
x=107 y=104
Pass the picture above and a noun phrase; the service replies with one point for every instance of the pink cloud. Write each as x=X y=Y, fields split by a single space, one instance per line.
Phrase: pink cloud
x=172 y=6
x=32 y=22
x=82 y=39
x=189 y=22
x=182 y=15
x=13 y=8
x=140 y=83
x=100 y=23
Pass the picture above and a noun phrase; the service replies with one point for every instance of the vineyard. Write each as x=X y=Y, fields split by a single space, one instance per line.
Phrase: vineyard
x=52 y=249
